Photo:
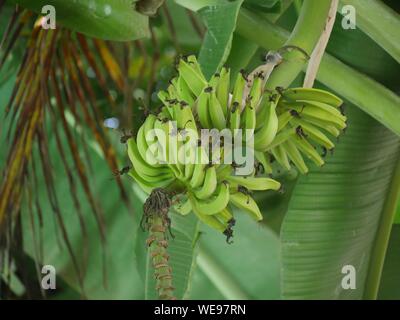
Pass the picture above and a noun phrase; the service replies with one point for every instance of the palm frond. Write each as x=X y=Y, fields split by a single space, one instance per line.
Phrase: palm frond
x=51 y=85
x=66 y=85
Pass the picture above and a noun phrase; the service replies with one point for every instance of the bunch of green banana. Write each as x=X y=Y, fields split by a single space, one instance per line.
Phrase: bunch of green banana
x=167 y=157
x=286 y=125
x=289 y=125
x=304 y=119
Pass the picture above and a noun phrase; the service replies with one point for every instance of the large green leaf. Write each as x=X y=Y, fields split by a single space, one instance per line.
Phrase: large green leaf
x=397 y=217
x=118 y=258
x=247 y=269
x=105 y=19
x=374 y=62
x=221 y=23
x=390 y=282
x=379 y=21
x=264 y=5
x=335 y=212
x=185 y=34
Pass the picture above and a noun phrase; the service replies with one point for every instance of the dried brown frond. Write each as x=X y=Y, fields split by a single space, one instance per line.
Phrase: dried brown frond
x=51 y=83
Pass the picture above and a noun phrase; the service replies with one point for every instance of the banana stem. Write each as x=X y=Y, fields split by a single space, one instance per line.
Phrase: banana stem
x=157 y=222
x=158 y=253
x=243 y=50
x=378 y=254
x=305 y=36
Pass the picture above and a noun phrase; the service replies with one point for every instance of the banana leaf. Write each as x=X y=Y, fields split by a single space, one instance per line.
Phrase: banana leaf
x=218 y=40
x=104 y=19
x=100 y=266
x=390 y=281
x=338 y=227
x=341 y=214
x=249 y=268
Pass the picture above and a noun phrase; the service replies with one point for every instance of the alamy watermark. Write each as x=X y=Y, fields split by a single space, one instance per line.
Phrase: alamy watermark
x=349 y=17
x=49 y=277
x=349 y=280
x=48 y=20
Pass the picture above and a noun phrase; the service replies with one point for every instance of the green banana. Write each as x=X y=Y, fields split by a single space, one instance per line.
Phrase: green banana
x=189 y=156
x=172 y=92
x=224 y=171
x=215 y=79
x=184 y=207
x=183 y=91
x=238 y=90
x=281 y=156
x=283 y=120
x=247 y=204
x=164 y=98
x=323 y=125
x=249 y=117
x=182 y=156
x=282 y=137
x=184 y=117
x=225 y=216
x=141 y=165
x=165 y=113
x=312 y=94
x=234 y=117
x=201 y=108
x=209 y=185
x=256 y=91
x=335 y=112
x=315 y=134
x=148 y=186
x=216 y=111
x=309 y=111
x=265 y=135
x=217 y=203
x=305 y=147
x=255 y=183
x=142 y=143
x=222 y=90
x=211 y=221
x=161 y=130
x=199 y=170
x=193 y=78
x=295 y=156
x=264 y=159
x=192 y=61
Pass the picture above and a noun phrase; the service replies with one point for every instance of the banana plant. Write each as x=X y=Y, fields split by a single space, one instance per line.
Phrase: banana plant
x=317 y=222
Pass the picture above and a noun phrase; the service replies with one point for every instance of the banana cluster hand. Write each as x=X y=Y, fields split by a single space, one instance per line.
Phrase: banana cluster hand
x=303 y=119
x=285 y=124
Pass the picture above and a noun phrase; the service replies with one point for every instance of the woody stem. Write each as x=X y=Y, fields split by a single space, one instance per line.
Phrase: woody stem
x=158 y=244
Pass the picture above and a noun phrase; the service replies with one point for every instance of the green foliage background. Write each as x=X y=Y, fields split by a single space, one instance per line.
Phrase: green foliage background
x=332 y=217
